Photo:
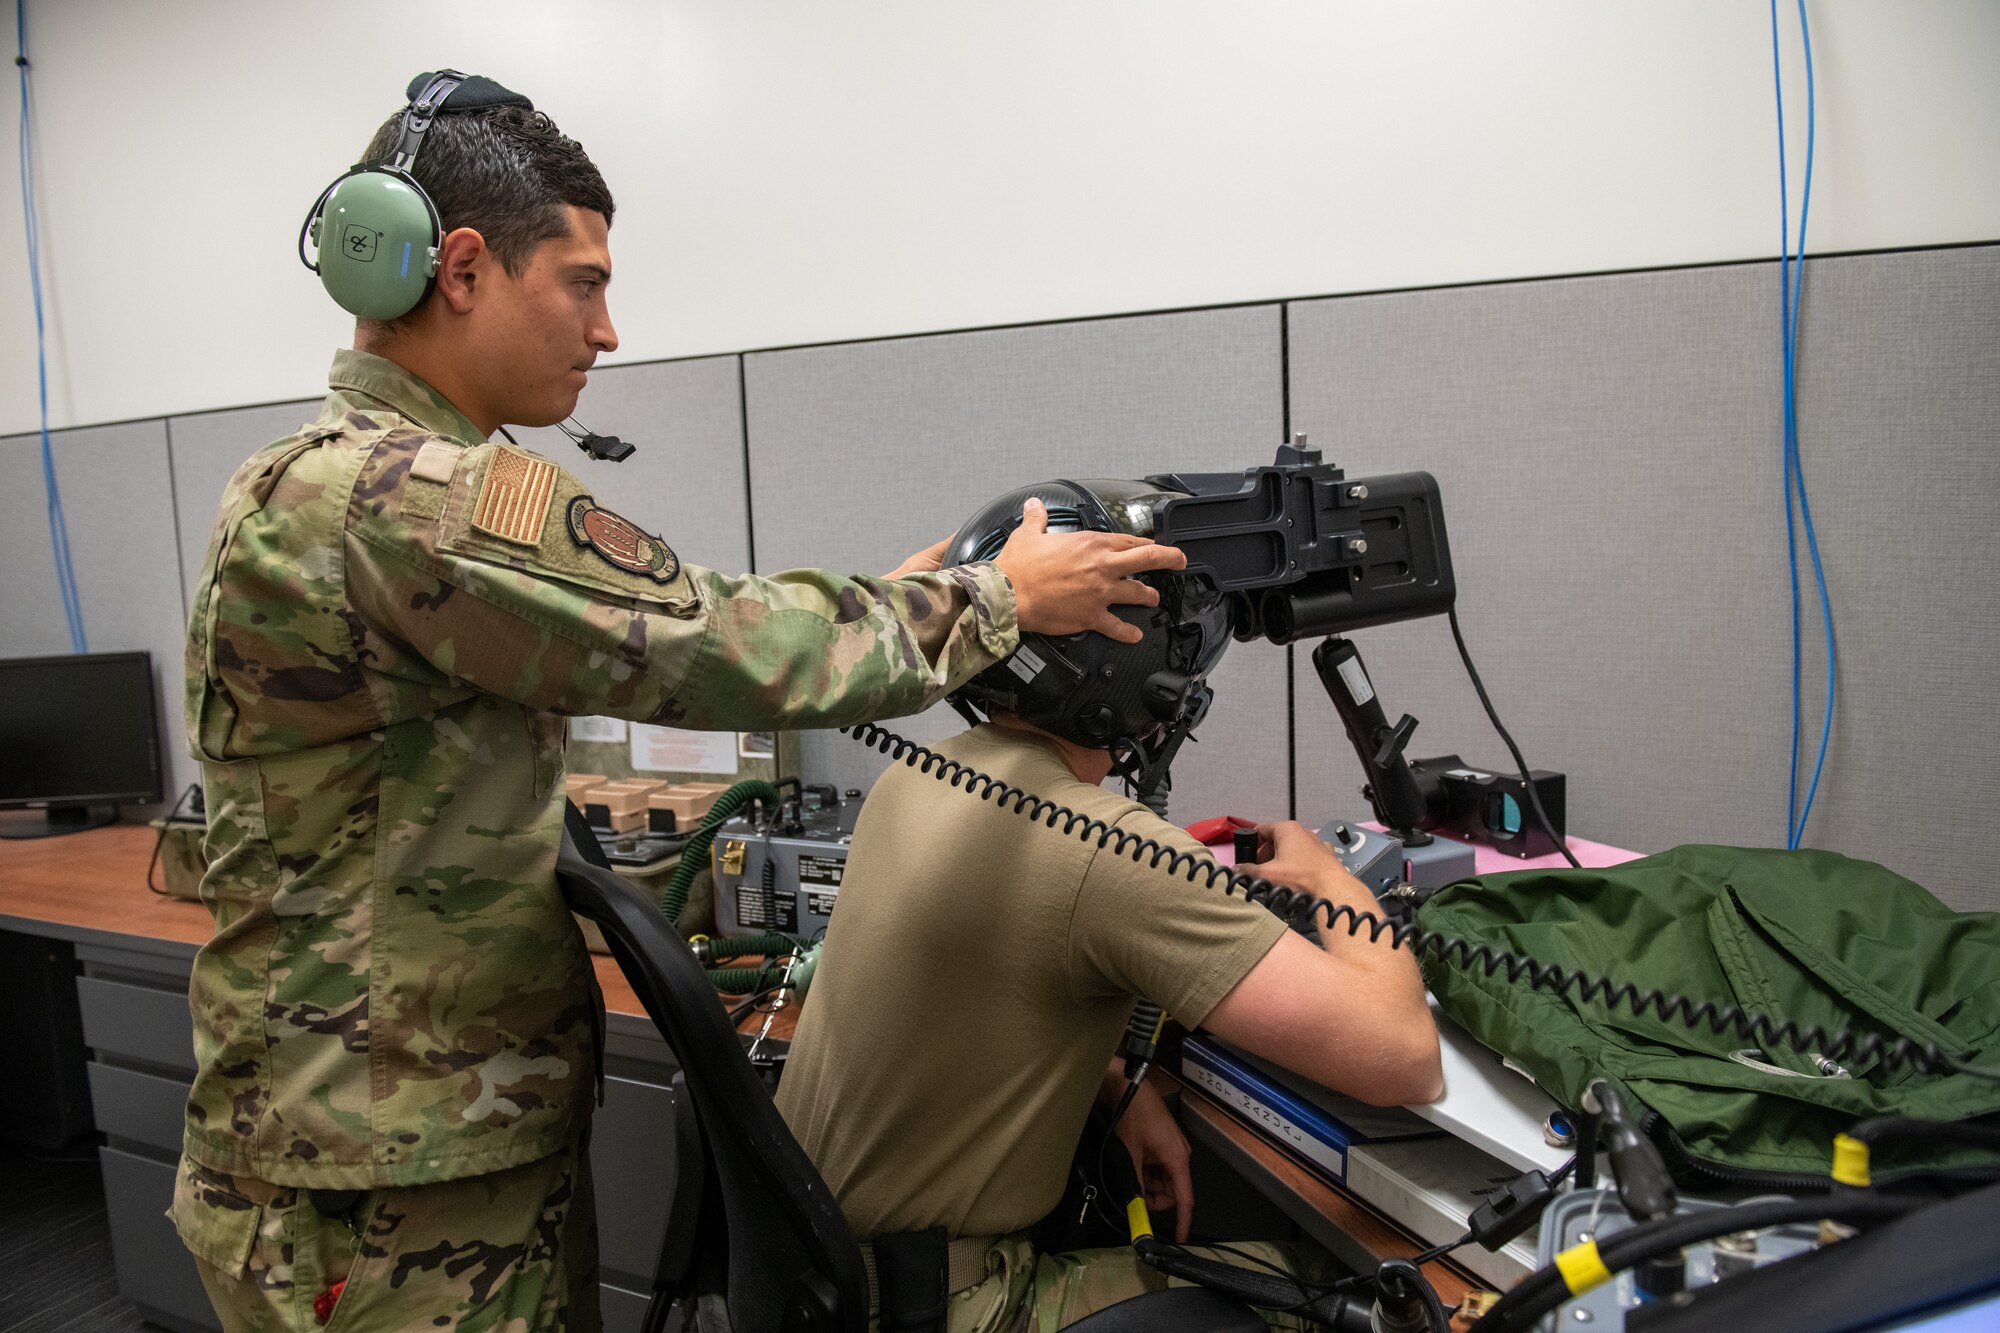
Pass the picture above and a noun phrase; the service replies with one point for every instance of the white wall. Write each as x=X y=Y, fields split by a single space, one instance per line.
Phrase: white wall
x=804 y=172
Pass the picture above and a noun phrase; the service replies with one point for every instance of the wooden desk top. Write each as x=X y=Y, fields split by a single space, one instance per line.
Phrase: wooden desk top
x=96 y=881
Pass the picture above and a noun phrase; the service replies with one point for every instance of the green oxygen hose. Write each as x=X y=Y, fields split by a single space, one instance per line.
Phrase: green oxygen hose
x=695 y=855
x=745 y=980
x=719 y=947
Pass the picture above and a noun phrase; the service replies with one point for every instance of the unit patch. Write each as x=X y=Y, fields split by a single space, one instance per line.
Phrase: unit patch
x=620 y=542
x=514 y=499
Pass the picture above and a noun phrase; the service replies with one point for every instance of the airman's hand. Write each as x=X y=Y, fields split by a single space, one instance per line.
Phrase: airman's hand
x=1291 y=854
x=1067 y=582
x=925 y=561
x=1160 y=1159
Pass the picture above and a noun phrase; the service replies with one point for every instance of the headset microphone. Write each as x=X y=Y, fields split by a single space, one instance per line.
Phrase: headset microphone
x=605 y=448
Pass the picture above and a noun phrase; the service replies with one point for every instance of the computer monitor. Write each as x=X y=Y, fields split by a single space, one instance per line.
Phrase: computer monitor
x=79 y=736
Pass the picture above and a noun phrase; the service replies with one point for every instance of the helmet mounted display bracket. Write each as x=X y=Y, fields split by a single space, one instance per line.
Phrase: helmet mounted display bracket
x=1308 y=552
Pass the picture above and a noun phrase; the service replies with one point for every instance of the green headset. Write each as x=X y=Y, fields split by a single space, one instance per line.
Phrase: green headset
x=375 y=231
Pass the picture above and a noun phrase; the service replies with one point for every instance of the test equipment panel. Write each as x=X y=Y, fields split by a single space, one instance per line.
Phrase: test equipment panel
x=783 y=872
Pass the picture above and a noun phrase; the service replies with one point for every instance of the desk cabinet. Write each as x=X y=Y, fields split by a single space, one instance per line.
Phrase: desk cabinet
x=133 y=998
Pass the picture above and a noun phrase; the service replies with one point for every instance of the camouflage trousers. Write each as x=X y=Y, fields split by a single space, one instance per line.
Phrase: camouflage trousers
x=1025 y=1292
x=511 y=1251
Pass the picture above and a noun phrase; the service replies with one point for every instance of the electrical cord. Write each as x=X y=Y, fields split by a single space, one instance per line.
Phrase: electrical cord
x=1503 y=1231
x=66 y=587
x=1791 y=290
x=1436 y=1252
x=1394 y=1271
x=1852 y=1150
x=1547 y=1288
x=1304 y=909
x=1164 y=1254
x=1273 y=1291
x=1534 y=797
x=750 y=1003
x=161 y=841
x=1104 y=1147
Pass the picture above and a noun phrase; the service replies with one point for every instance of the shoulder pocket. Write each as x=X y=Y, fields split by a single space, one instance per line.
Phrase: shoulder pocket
x=524 y=513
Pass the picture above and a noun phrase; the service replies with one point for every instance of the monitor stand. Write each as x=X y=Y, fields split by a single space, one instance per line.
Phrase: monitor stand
x=60 y=819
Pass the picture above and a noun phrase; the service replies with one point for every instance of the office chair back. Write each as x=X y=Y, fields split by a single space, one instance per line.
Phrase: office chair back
x=755 y=1241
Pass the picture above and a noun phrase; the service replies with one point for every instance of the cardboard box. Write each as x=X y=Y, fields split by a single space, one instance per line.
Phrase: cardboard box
x=619 y=806
x=687 y=802
x=576 y=784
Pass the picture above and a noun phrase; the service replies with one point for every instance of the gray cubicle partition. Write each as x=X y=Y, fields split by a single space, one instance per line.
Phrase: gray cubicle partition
x=117 y=495
x=1608 y=448
x=1609 y=455
x=686 y=479
x=860 y=454
x=206 y=449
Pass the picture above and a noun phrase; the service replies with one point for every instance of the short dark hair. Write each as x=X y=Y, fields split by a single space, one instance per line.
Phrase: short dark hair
x=504 y=171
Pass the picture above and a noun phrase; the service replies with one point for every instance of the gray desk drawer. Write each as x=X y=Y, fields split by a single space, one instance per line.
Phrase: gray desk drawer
x=154 y=1269
x=145 y=1108
x=632 y=1170
x=137 y=1022
x=624 y=1311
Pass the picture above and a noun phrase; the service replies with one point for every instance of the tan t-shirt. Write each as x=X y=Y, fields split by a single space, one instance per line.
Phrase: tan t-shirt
x=976 y=977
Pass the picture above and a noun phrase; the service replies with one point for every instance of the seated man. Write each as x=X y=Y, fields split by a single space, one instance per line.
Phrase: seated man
x=981 y=967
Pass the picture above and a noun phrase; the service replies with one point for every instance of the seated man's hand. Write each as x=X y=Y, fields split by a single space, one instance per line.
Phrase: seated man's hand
x=1159 y=1158
x=1291 y=854
x=1067 y=582
x=925 y=561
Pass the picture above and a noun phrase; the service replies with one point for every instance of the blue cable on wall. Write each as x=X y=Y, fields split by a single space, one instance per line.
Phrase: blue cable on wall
x=1791 y=288
x=58 y=529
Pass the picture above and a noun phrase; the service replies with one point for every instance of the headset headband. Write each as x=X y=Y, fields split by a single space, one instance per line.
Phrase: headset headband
x=424 y=108
x=376 y=230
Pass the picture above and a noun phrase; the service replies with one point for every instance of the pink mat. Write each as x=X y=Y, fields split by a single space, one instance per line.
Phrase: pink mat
x=1488 y=860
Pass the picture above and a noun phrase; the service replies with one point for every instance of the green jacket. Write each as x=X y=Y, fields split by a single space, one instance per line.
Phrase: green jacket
x=1808 y=936
x=394 y=618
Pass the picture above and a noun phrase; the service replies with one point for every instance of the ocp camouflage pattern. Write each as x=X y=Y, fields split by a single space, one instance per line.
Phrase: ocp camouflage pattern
x=510 y=1252
x=377 y=689
x=1027 y=1292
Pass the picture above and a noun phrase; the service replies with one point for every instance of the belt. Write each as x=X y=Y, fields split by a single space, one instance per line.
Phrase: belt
x=964 y=1266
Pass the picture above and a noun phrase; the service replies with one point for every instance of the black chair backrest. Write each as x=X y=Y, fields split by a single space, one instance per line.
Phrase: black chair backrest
x=752 y=1223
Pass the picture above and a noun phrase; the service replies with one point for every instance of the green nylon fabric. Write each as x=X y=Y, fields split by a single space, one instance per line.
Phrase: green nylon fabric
x=1811 y=936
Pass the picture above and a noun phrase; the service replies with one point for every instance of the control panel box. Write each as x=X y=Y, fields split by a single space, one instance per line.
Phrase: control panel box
x=785 y=874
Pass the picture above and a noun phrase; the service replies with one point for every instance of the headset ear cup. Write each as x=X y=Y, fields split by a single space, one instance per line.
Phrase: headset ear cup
x=378 y=239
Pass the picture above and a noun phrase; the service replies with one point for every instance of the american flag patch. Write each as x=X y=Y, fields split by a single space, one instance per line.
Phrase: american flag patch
x=514 y=498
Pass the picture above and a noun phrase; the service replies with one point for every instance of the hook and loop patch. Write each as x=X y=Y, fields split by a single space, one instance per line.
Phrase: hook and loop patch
x=620 y=542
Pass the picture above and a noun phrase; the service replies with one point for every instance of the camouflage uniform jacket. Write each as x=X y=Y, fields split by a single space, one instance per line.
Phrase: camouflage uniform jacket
x=394 y=618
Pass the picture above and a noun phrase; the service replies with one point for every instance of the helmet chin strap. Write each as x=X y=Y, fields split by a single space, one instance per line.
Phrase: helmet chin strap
x=1148 y=767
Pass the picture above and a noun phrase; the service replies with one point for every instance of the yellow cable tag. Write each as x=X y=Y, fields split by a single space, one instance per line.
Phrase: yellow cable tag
x=1138 y=1219
x=1850 y=1160
x=1582 y=1267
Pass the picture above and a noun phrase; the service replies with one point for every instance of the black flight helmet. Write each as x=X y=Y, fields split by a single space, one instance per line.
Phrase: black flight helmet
x=1139 y=700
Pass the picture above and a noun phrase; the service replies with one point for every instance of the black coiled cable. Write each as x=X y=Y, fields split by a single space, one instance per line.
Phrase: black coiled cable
x=1302 y=908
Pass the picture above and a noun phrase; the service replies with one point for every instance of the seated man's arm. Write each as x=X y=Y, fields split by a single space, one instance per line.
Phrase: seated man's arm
x=1352 y=1016
x=1159 y=1151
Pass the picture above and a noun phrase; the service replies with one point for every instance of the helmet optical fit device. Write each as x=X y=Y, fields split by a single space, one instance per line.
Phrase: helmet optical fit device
x=375 y=231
